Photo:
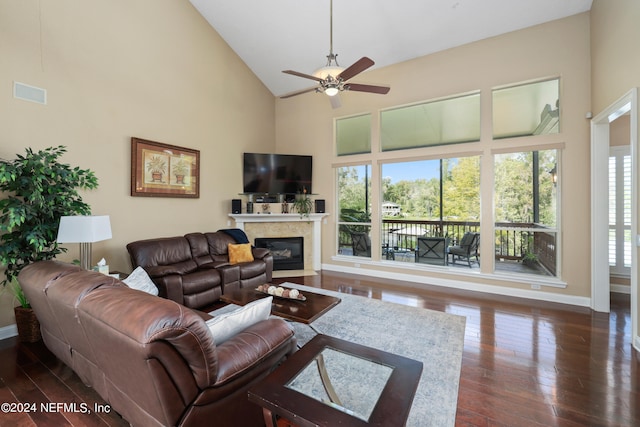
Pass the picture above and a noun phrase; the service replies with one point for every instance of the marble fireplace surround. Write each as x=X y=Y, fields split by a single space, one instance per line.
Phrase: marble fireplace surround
x=287 y=225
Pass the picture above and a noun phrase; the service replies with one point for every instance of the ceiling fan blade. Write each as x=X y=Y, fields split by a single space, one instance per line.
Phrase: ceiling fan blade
x=305 y=76
x=383 y=90
x=299 y=92
x=355 y=69
x=336 y=102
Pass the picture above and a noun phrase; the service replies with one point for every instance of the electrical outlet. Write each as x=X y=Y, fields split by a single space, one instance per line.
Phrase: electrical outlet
x=535 y=287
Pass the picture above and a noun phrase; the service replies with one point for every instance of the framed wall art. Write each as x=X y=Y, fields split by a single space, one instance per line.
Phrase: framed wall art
x=163 y=170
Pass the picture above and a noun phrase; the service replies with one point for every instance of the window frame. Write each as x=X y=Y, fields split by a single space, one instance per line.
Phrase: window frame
x=557 y=229
x=368 y=210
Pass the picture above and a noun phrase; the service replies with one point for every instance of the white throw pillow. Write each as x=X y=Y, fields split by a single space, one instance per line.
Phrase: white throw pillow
x=140 y=280
x=227 y=325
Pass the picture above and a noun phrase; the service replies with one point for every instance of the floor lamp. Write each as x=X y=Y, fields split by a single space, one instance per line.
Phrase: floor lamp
x=84 y=230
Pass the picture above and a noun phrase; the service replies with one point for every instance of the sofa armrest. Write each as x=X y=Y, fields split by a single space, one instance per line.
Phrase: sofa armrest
x=250 y=347
x=177 y=268
x=259 y=253
x=230 y=275
x=129 y=328
x=268 y=260
x=170 y=287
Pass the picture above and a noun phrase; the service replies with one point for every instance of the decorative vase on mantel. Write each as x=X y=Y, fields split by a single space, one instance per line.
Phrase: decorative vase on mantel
x=27 y=324
x=284 y=205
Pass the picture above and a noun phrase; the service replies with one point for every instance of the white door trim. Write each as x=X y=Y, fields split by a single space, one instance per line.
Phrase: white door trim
x=600 y=124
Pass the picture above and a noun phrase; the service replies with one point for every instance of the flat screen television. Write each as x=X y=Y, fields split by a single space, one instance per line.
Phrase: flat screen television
x=274 y=174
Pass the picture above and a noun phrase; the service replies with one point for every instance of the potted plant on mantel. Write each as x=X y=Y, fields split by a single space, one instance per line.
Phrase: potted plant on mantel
x=303 y=204
x=36 y=191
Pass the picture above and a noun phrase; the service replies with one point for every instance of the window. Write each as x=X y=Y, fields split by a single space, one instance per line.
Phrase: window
x=428 y=198
x=354 y=223
x=528 y=109
x=620 y=211
x=447 y=121
x=353 y=135
x=526 y=212
x=424 y=198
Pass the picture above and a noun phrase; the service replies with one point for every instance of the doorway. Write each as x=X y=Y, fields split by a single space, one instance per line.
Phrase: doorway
x=600 y=145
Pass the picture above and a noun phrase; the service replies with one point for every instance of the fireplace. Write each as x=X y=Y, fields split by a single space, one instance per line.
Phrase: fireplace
x=288 y=252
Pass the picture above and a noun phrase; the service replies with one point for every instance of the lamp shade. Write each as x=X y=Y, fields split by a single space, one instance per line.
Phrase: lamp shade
x=84 y=229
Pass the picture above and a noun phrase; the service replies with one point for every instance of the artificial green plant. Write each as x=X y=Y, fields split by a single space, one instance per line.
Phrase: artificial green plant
x=37 y=190
x=18 y=294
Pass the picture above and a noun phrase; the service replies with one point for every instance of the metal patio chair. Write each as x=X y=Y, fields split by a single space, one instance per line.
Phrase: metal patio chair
x=467 y=249
x=361 y=244
x=432 y=250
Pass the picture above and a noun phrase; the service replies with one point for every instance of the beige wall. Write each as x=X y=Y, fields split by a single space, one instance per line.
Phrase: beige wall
x=615 y=65
x=620 y=131
x=304 y=124
x=114 y=69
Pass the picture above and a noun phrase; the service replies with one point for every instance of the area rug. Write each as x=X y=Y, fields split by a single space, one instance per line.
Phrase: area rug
x=432 y=337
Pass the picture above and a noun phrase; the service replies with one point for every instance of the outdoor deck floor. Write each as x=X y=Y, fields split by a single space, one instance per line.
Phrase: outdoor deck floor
x=506 y=266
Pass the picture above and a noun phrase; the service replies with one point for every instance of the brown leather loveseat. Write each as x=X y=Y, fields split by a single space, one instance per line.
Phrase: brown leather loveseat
x=194 y=270
x=153 y=360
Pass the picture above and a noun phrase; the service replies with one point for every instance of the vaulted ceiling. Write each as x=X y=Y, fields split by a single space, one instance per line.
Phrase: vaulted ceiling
x=275 y=35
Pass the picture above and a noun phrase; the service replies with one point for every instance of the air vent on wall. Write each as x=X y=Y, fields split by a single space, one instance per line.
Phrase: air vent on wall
x=29 y=93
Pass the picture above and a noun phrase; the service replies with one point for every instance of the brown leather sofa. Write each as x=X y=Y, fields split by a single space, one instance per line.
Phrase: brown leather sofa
x=194 y=269
x=153 y=360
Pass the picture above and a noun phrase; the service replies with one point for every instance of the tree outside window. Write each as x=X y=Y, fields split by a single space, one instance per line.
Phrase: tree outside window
x=436 y=198
x=354 y=191
x=525 y=193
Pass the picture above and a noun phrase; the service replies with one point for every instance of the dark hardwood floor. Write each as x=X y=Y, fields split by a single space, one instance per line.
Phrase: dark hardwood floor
x=525 y=363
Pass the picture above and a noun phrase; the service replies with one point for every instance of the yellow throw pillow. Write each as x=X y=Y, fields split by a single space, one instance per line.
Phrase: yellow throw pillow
x=240 y=253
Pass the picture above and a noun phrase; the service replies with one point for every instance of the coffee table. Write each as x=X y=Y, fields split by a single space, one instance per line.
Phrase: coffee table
x=331 y=382
x=299 y=311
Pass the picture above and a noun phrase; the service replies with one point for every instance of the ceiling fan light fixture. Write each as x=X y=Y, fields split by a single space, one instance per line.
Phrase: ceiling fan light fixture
x=331 y=91
x=332 y=78
x=329 y=70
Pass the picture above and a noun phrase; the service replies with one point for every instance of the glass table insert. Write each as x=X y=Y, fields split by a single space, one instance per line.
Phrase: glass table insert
x=330 y=382
x=346 y=382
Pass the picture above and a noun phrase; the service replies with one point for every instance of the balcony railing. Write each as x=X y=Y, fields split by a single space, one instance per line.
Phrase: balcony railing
x=515 y=240
x=512 y=240
x=403 y=234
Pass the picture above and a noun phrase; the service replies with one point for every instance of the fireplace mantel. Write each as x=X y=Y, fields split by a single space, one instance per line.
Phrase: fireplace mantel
x=275 y=217
x=314 y=220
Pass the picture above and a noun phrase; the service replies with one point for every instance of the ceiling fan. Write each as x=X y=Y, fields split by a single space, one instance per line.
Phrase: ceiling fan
x=333 y=79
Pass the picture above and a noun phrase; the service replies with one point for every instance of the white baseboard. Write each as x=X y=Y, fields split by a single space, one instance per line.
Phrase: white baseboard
x=8 y=331
x=621 y=289
x=464 y=285
x=293 y=273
